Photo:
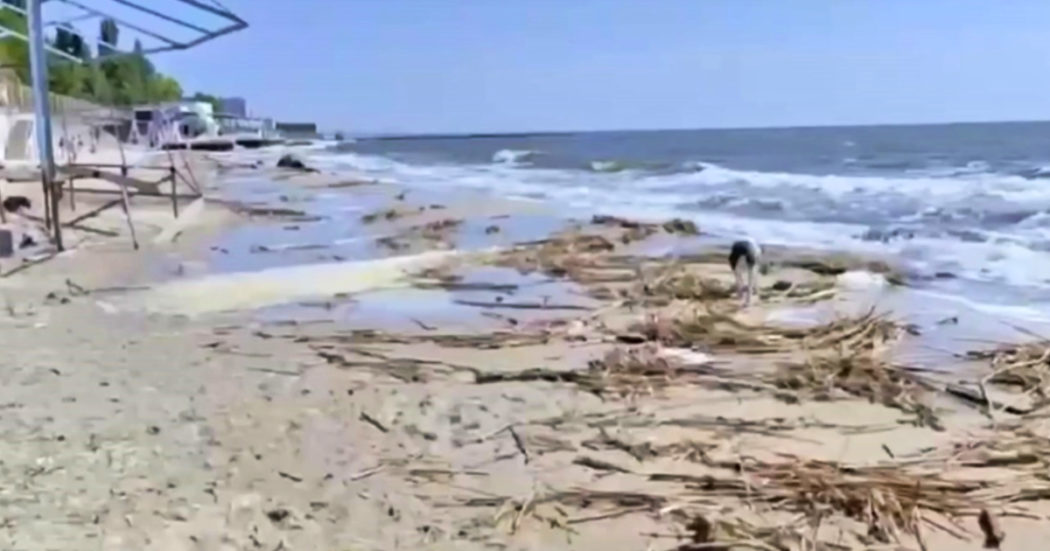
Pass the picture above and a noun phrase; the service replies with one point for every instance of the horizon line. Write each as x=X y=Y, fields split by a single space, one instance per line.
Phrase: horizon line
x=533 y=133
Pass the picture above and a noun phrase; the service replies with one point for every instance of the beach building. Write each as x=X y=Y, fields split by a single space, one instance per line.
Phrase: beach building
x=236 y=107
x=298 y=130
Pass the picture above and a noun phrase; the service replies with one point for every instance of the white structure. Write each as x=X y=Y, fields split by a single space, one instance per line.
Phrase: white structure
x=79 y=126
x=236 y=107
x=174 y=123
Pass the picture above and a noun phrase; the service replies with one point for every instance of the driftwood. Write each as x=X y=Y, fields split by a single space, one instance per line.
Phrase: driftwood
x=29 y=264
x=976 y=397
x=375 y=423
x=520 y=305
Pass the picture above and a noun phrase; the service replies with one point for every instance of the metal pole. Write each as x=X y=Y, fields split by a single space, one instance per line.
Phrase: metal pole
x=42 y=108
x=174 y=192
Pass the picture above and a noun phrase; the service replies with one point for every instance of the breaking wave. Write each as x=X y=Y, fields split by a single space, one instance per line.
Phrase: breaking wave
x=973 y=223
x=513 y=156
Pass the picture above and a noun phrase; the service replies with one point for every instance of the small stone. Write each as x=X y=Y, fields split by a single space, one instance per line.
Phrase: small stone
x=277 y=515
x=678 y=225
x=293 y=162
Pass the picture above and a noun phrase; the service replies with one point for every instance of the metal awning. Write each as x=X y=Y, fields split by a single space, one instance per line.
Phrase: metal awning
x=156 y=25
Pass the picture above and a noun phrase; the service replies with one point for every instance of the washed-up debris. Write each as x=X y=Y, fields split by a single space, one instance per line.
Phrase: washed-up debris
x=375 y=423
x=621 y=372
x=689 y=450
x=483 y=341
x=890 y=503
x=568 y=255
x=1025 y=367
x=392 y=243
x=993 y=534
x=632 y=230
x=680 y=226
x=288 y=247
x=687 y=286
x=718 y=331
x=677 y=282
x=352 y=183
x=860 y=373
x=264 y=210
x=439 y=230
x=520 y=305
x=616 y=221
x=645 y=229
x=833 y=265
x=385 y=214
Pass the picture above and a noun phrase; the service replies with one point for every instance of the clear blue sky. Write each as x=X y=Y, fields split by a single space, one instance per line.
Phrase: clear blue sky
x=511 y=65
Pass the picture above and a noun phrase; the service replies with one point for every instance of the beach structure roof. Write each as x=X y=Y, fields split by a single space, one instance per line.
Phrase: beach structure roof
x=154 y=26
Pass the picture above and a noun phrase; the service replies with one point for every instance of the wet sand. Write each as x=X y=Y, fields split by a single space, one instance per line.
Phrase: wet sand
x=289 y=374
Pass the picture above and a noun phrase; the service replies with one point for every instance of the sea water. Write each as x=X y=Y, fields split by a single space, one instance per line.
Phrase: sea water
x=966 y=205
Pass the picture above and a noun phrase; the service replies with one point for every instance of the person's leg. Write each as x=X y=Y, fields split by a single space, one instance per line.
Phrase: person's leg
x=752 y=282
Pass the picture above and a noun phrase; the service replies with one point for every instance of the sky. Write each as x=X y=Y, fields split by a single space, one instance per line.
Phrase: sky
x=530 y=65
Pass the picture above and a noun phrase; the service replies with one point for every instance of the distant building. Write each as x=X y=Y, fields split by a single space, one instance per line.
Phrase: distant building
x=234 y=106
x=298 y=130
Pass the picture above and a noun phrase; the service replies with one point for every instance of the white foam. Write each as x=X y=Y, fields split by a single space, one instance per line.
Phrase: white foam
x=607 y=166
x=1007 y=257
x=513 y=156
x=1002 y=311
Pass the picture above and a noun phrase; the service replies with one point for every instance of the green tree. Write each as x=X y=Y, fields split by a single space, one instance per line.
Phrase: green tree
x=109 y=80
x=163 y=88
x=14 y=52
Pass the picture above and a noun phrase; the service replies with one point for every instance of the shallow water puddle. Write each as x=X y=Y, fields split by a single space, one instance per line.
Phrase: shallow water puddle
x=254 y=289
x=485 y=298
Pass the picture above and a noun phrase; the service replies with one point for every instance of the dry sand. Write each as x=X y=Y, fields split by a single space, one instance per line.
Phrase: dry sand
x=127 y=429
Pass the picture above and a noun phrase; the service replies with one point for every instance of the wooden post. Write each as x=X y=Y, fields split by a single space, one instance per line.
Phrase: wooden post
x=47 y=200
x=72 y=193
x=127 y=208
x=56 y=201
x=174 y=195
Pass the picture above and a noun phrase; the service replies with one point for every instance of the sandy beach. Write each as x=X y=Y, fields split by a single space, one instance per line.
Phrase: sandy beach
x=326 y=361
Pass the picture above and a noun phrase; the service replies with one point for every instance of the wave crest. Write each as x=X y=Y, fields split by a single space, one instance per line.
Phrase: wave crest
x=513 y=156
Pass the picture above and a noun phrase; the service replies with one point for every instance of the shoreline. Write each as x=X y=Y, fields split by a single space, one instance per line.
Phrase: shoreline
x=550 y=383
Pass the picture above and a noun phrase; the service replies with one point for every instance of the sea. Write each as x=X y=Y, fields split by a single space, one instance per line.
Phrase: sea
x=964 y=207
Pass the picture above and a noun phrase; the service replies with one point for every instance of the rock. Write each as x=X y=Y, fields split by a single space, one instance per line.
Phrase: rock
x=606 y=220
x=887 y=235
x=293 y=162
x=678 y=225
x=278 y=515
x=782 y=285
